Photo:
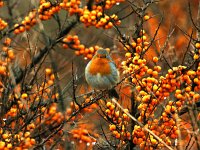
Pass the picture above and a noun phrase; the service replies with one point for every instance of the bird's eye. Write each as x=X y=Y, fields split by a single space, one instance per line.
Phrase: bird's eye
x=101 y=55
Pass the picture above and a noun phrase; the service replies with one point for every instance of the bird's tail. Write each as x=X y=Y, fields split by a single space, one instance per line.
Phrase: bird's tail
x=113 y=93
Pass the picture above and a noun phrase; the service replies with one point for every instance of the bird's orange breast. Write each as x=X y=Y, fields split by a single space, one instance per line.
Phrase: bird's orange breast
x=100 y=65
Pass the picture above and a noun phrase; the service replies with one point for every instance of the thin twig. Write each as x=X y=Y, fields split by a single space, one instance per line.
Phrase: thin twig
x=140 y=124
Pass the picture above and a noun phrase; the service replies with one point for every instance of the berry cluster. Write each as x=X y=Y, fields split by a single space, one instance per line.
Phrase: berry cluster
x=168 y=119
x=150 y=143
x=8 y=51
x=97 y=19
x=87 y=52
x=118 y=122
x=72 y=6
x=73 y=42
x=75 y=107
x=22 y=106
x=109 y=3
x=153 y=90
x=46 y=10
x=138 y=136
x=138 y=45
x=196 y=55
x=28 y=22
x=83 y=135
x=7 y=56
x=7 y=138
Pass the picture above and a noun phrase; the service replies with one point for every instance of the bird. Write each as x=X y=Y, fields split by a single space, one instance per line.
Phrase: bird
x=101 y=73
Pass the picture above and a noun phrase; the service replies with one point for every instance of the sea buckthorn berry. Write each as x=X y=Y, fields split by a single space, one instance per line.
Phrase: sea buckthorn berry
x=112 y=107
x=108 y=104
x=197 y=45
x=154 y=141
x=117 y=114
x=24 y=95
x=150 y=71
x=146 y=17
x=5 y=136
x=3 y=24
x=2 y=145
x=48 y=71
x=117 y=135
x=128 y=54
x=133 y=44
x=155 y=59
x=196 y=56
x=112 y=127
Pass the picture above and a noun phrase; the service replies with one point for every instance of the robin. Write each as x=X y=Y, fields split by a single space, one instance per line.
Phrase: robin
x=101 y=73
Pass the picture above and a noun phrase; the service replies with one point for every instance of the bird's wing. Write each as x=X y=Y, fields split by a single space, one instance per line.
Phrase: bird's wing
x=114 y=76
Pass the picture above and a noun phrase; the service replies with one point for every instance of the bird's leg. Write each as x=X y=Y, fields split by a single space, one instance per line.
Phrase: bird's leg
x=104 y=94
x=94 y=92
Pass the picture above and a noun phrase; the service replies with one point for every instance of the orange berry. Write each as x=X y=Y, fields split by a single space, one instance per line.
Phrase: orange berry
x=50 y=82
x=11 y=54
x=138 y=49
x=27 y=134
x=32 y=141
x=48 y=71
x=52 y=77
x=144 y=38
x=173 y=136
x=197 y=45
x=24 y=95
x=77 y=53
x=9 y=146
x=2 y=70
x=2 y=145
x=155 y=73
x=117 y=114
x=133 y=44
x=65 y=46
x=178 y=103
x=128 y=55
x=188 y=89
x=112 y=127
x=7 y=41
x=139 y=140
x=5 y=136
x=196 y=56
x=146 y=98
x=154 y=141
x=112 y=107
x=108 y=112
x=155 y=59
x=69 y=111
x=146 y=43
x=146 y=17
x=110 y=24
x=125 y=116
x=134 y=80
x=5 y=48
x=89 y=56
x=139 y=40
x=21 y=28
x=108 y=104
x=117 y=135
x=149 y=71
